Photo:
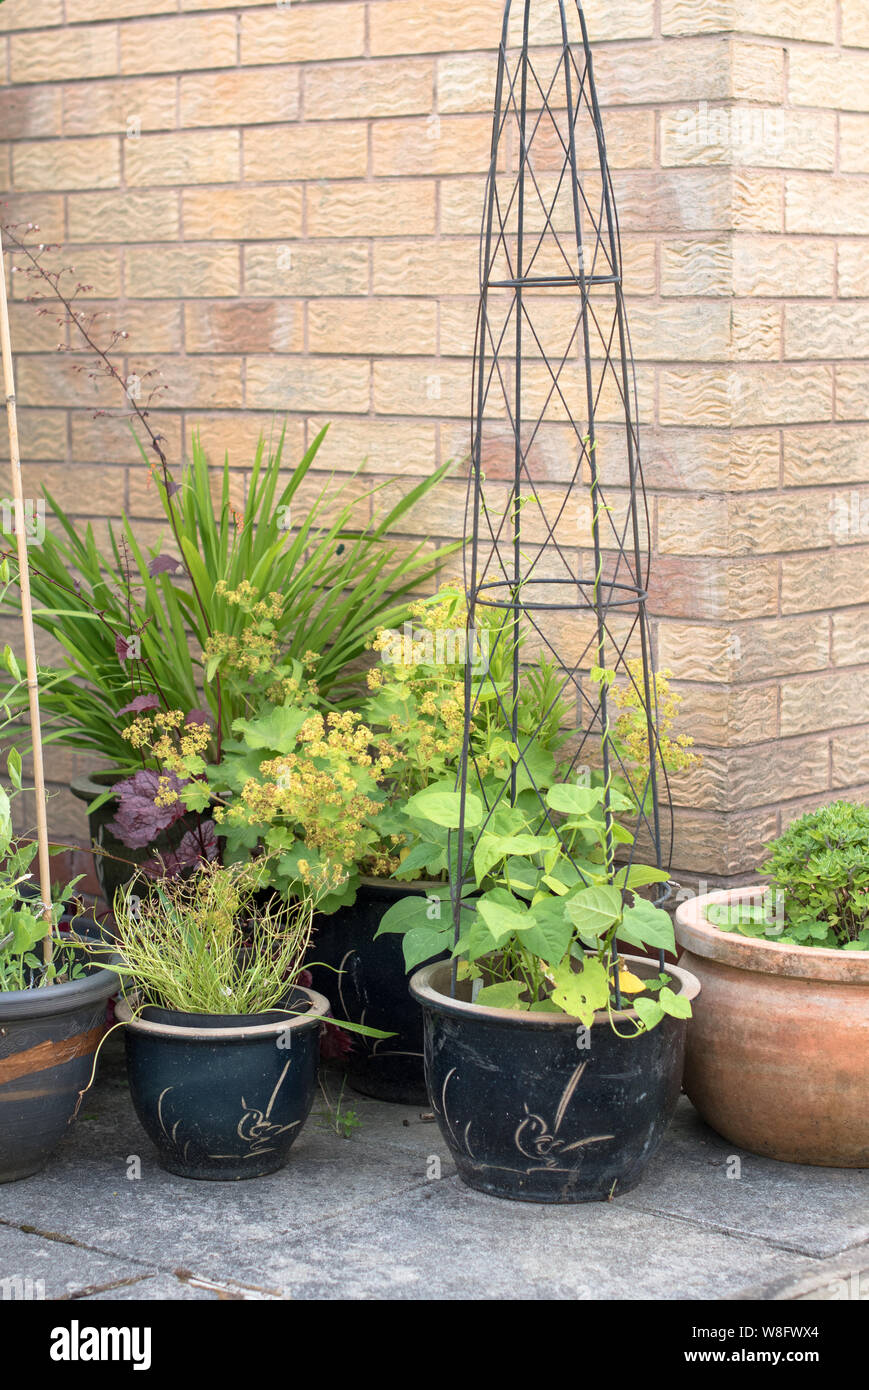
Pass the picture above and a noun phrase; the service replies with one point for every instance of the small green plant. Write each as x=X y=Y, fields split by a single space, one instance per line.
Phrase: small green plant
x=540 y=919
x=343 y=1122
x=209 y=944
x=819 y=891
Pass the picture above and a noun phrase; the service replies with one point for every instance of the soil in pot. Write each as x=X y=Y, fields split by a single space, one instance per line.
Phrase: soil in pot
x=224 y=1097
x=778 y=1049
x=538 y=1108
x=368 y=982
x=48 y=1038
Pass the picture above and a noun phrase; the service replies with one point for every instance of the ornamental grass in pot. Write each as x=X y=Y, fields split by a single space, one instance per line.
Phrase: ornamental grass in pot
x=778 y=1049
x=222 y=1040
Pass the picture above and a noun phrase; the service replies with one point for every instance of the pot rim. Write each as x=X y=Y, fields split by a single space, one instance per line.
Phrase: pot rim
x=86 y=787
x=252 y=1032
x=417 y=885
x=20 y=1004
x=422 y=989
x=695 y=933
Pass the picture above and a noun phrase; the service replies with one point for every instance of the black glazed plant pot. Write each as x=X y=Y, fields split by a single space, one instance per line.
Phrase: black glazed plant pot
x=48 y=1038
x=224 y=1097
x=372 y=988
x=115 y=864
x=536 y=1108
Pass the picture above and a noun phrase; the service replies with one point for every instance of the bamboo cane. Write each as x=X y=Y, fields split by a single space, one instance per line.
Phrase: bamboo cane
x=26 y=611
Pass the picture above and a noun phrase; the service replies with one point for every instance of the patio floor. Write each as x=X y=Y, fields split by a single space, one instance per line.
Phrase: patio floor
x=362 y=1218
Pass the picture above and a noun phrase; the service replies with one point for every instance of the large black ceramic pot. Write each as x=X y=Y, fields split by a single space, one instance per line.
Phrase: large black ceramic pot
x=115 y=864
x=367 y=980
x=539 y=1109
x=224 y=1097
x=48 y=1038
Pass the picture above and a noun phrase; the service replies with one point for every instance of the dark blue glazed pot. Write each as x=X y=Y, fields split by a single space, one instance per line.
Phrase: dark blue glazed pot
x=48 y=1038
x=367 y=980
x=536 y=1108
x=224 y=1097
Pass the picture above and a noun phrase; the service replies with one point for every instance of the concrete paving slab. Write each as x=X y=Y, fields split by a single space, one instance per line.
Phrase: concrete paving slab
x=700 y=1177
x=33 y=1267
x=448 y=1242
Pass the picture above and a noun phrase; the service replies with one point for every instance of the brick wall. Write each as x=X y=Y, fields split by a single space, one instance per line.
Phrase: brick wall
x=282 y=202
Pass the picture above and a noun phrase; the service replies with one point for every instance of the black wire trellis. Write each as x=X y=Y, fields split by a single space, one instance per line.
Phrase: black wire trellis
x=555 y=393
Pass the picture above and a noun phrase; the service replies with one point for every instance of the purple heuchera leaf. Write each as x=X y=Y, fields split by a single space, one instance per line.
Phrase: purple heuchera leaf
x=198 y=716
x=140 y=704
x=163 y=564
x=196 y=847
x=139 y=820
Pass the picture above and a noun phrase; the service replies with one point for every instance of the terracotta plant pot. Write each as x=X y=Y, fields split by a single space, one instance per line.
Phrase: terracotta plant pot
x=536 y=1108
x=778 y=1049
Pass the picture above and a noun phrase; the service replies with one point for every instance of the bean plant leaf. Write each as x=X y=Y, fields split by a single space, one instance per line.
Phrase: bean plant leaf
x=594 y=910
x=581 y=993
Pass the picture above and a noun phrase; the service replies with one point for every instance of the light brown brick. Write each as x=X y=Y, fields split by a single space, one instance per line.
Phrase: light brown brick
x=823 y=331
x=20 y=16
x=852 y=392
x=182 y=272
x=855 y=23
x=751 y=396
x=127 y=107
x=334 y=151
x=148 y=330
x=245 y=325
x=240 y=98
x=390 y=446
x=339 y=385
x=304 y=33
x=409 y=267
x=372 y=326
x=757 y=71
x=844 y=200
x=851 y=637
x=53 y=380
x=107 y=439
x=831 y=579
x=850 y=761
x=238 y=435
x=128 y=216
x=818 y=77
x=421 y=387
x=42 y=433
x=710 y=460
x=746 y=134
x=164 y=45
x=723 y=590
x=379 y=209
x=44 y=212
x=46 y=55
x=200 y=156
x=853 y=137
x=745 y=652
x=853 y=270
x=696 y=16
x=757 y=201
x=434 y=26
x=439 y=145
x=787 y=19
x=740 y=779
x=771 y=267
x=30 y=112
x=54 y=164
x=97 y=267
x=304 y=271
x=241 y=214
x=195 y=383
x=729 y=716
x=373 y=88
x=824 y=702
x=829 y=454
x=697 y=267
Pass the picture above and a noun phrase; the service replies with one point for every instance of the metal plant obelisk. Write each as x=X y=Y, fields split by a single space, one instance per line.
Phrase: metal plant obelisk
x=556 y=520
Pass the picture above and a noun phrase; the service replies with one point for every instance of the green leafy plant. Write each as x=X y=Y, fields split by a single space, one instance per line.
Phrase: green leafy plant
x=137 y=622
x=541 y=917
x=819 y=893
